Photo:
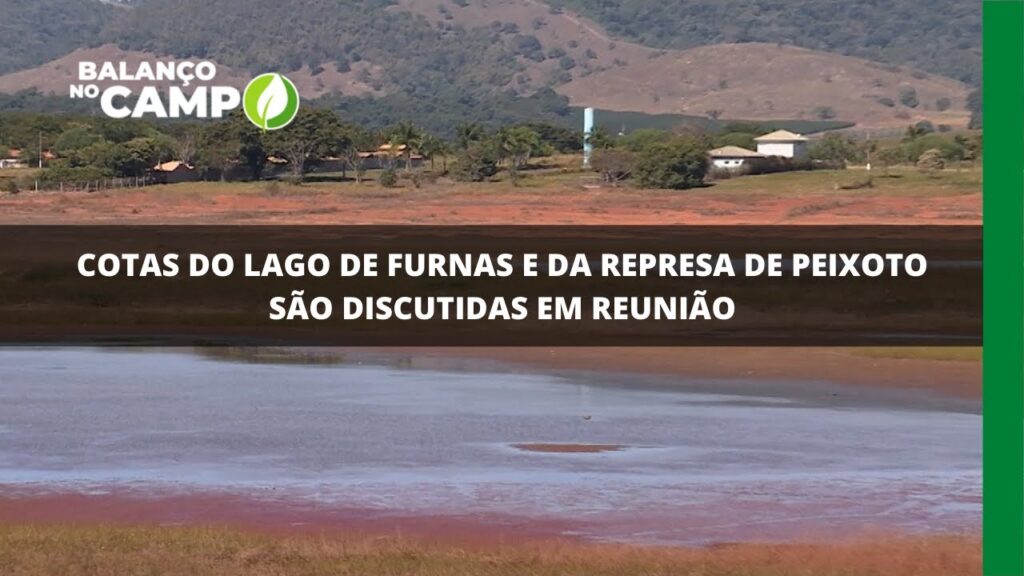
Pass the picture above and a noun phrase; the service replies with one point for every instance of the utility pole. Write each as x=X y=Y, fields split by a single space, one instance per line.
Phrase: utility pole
x=868 y=144
x=40 y=149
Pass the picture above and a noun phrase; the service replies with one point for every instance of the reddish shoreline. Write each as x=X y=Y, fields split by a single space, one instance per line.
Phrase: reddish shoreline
x=264 y=513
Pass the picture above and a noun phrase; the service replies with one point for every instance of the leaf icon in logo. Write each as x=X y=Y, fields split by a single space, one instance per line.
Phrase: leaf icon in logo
x=270 y=101
x=273 y=101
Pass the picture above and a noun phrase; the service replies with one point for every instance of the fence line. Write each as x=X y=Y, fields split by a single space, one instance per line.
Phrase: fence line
x=95 y=185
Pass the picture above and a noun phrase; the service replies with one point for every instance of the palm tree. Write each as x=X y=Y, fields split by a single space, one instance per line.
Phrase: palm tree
x=430 y=146
x=517 y=144
x=405 y=134
x=467 y=134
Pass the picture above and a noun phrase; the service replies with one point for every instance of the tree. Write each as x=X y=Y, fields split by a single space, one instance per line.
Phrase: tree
x=75 y=137
x=951 y=151
x=351 y=142
x=643 y=138
x=972 y=146
x=917 y=130
x=614 y=164
x=310 y=135
x=407 y=135
x=475 y=164
x=837 y=148
x=741 y=139
x=908 y=97
x=186 y=145
x=517 y=144
x=430 y=146
x=891 y=156
x=559 y=138
x=127 y=159
x=974 y=105
x=468 y=134
x=599 y=138
x=231 y=141
x=678 y=164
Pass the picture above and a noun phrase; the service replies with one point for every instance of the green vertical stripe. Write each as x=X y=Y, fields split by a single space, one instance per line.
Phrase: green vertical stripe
x=1004 y=288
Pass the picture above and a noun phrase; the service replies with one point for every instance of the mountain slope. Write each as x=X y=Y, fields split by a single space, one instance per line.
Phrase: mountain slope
x=442 y=60
x=36 y=31
x=258 y=35
x=58 y=75
x=766 y=81
x=940 y=36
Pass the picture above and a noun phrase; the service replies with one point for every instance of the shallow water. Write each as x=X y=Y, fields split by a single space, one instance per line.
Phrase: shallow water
x=698 y=466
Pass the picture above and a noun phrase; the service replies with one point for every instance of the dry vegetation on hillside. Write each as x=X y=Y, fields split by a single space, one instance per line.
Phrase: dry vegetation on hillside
x=766 y=81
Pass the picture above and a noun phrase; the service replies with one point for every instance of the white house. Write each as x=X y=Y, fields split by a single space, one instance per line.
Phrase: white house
x=12 y=159
x=733 y=158
x=782 y=143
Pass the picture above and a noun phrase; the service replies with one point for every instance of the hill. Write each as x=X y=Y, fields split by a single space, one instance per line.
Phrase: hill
x=440 y=62
x=56 y=76
x=766 y=81
x=938 y=36
x=36 y=31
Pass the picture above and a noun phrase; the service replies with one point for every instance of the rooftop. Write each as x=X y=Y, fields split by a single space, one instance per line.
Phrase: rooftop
x=171 y=166
x=781 y=136
x=733 y=152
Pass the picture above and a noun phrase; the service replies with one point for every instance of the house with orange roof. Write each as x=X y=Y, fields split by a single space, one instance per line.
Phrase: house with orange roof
x=174 y=171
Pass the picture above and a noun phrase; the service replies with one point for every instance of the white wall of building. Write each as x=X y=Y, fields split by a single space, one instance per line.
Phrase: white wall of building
x=730 y=163
x=784 y=149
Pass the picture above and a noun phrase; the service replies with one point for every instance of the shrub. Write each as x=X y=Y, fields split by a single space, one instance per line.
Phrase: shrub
x=475 y=164
x=388 y=178
x=948 y=148
x=825 y=112
x=892 y=156
x=678 y=164
x=11 y=187
x=837 y=148
x=931 y=161
x=614 y=164
x=72 y=175
x=908 y=97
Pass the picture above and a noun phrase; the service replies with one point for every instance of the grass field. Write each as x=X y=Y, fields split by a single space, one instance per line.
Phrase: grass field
x=27 y=550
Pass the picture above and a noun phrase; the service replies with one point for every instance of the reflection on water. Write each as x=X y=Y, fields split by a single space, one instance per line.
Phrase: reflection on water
x=693 y=466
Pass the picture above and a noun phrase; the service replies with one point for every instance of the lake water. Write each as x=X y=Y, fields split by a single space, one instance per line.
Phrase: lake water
x=696 y=467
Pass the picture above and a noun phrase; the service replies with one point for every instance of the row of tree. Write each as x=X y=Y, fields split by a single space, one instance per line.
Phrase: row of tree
x=95 y=148
x=89 y=149
x=919 y=139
